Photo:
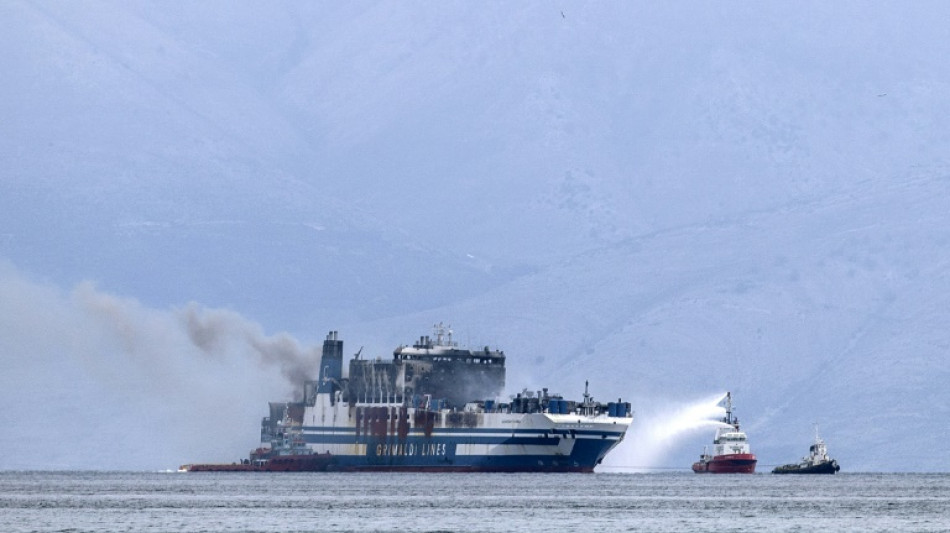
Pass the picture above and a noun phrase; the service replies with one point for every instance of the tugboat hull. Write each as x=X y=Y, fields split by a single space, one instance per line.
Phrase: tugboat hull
x=315 y=462
x=743 y=463
x=829 y=467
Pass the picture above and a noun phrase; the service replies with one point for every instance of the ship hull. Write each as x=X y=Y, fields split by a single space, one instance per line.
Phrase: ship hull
x=537 y=442
x=741 y=463
x=828 y=467
x=284 y=463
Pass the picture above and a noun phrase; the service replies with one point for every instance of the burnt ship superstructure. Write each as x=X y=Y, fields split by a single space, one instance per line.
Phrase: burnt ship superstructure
x=434 y=406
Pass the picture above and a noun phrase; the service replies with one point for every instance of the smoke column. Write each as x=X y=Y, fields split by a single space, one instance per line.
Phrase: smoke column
x=657 y=433
x=157 y=386
x=218 y=332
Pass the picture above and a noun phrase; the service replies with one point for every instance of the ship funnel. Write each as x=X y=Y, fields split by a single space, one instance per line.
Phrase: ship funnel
x=331 y=364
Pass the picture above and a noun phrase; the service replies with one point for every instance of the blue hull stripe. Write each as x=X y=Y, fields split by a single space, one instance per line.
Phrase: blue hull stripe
x=433 y=457
x=439 y=454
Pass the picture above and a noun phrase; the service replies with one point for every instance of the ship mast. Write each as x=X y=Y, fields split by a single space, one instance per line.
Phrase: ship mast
x=729 y=419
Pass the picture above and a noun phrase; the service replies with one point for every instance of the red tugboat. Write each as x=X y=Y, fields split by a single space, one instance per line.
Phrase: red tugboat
x=731 y=453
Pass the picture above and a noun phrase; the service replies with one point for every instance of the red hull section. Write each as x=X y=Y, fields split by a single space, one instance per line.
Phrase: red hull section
x=282 y=463
x=740 y=463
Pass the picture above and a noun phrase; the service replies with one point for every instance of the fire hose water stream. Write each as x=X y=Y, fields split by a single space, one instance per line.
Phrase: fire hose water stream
x=657 y=433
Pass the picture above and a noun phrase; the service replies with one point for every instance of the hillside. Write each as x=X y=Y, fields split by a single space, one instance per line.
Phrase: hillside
x=671 y=201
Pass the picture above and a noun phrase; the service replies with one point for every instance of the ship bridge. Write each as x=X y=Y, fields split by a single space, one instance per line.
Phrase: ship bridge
x=442 y=348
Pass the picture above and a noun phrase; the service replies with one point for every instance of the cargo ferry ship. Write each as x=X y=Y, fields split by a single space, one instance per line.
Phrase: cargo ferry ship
x=731 y=452
x=435 y=407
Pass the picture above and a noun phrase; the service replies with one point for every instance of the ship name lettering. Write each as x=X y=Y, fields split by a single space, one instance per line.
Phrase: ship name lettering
x=410 y=449
x=433 y=449
x=396 y=449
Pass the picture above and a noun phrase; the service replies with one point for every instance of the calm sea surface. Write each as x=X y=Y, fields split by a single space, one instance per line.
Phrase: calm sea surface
x=118 y=501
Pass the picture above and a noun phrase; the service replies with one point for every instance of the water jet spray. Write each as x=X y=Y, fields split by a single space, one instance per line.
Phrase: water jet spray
x=658 y=432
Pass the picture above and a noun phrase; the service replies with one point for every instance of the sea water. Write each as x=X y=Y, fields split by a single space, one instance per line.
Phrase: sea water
x=191 y=502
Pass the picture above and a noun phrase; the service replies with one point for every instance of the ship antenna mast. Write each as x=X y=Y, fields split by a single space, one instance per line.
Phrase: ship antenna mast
x=440 y=330
x=729 y=419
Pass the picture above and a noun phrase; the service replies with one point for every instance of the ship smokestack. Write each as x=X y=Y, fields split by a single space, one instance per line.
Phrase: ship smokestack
x=331 y=364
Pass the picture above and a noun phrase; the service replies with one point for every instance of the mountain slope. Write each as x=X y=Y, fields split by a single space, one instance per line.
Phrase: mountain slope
x=671 y=200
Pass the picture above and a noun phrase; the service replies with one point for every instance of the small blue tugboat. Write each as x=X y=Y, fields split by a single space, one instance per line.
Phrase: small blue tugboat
x=816 y=462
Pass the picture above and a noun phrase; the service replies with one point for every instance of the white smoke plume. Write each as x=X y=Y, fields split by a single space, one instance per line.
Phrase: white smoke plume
x=146 y=335
x=155 y=387
x=661 y=430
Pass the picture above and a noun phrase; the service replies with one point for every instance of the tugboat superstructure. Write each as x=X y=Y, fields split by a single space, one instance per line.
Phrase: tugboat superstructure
x=731 y=453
